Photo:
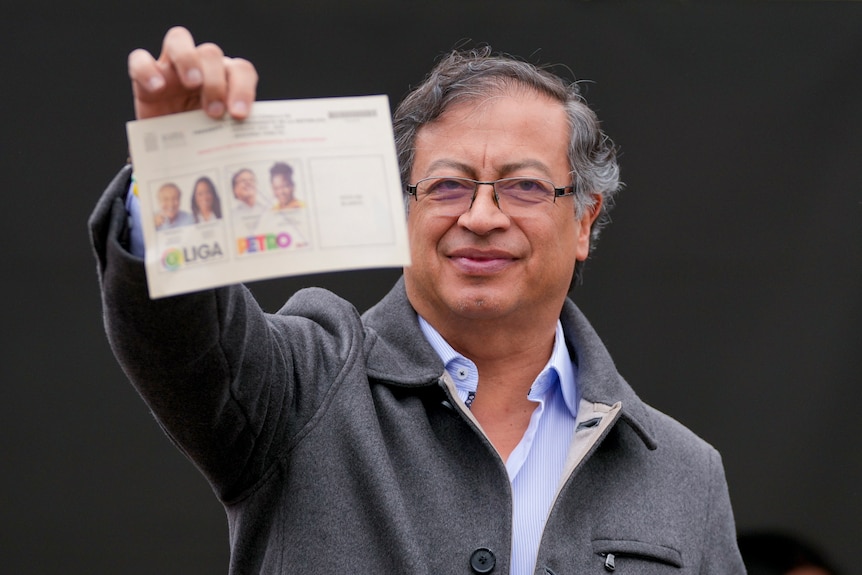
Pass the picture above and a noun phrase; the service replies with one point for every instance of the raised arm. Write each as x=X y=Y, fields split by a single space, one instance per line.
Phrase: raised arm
x=189 y=77
x=199 y=359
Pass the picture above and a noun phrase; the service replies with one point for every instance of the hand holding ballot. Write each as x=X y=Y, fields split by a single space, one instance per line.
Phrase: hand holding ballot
x=188 y=77
x=307 y=185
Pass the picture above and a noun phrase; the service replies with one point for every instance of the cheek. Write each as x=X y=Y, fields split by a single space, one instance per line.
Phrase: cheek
x=425 y=232
x=556 y=242
x=414 y=226
x=417 y=240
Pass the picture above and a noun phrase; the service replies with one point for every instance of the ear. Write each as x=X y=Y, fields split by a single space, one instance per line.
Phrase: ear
x=585 y=225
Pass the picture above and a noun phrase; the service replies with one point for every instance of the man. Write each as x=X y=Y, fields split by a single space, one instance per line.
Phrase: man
x=170 y=215
x=281 y=180
x=472 y=421
x=244 y=184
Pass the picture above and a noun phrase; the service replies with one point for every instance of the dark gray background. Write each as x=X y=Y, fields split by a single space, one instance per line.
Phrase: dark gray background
x=727 y=287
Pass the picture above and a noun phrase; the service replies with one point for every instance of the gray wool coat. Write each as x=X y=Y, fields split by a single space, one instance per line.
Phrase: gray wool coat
x=337 y=445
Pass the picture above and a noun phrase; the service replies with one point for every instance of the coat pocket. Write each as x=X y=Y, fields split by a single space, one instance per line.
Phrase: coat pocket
x=629 y=556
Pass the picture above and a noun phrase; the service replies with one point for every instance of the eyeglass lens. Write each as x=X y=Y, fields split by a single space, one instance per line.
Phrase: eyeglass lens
x=454 y=195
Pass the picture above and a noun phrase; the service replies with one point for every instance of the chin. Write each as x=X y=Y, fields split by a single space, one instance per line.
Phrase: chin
x=481 y=306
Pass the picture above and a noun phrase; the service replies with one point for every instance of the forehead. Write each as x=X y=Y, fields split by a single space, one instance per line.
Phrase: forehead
x=169 y=190
x=497 y=132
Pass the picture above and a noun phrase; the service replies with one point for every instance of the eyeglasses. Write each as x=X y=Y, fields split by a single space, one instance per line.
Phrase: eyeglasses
x=455 y=196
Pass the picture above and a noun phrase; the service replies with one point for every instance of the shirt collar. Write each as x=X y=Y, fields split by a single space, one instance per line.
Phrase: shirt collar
x=558 y=371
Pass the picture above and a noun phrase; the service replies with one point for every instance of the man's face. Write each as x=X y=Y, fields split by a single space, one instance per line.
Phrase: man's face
x=486 y=264
x=245 y=187
x=169 y=202
x=282 y=189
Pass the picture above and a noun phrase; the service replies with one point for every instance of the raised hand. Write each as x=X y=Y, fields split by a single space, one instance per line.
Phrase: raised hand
x=189 y=77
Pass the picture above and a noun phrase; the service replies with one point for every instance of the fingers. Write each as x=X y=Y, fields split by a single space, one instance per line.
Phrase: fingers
x=229 y=84
x=144 y=72
x=187 y=77
x=213 y=79
x=179 y=54
x=242 y=86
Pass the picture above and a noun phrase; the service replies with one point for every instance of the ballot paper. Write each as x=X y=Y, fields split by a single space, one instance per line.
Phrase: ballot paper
x=300 y=186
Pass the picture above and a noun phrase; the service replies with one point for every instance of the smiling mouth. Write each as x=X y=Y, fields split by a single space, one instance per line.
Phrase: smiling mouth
x=481 y=264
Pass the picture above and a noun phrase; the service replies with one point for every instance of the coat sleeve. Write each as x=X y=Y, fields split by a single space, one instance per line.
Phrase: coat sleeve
x=218 y=373
x=721 y=553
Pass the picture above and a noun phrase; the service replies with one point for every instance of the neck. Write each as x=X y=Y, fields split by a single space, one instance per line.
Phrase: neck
x=508 y=361
x=508 y=355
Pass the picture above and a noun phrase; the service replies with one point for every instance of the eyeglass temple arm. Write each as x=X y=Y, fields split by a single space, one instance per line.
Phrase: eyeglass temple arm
x=566 y=191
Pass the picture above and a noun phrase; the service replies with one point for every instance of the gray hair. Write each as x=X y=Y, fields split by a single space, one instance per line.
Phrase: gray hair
x=467 y=75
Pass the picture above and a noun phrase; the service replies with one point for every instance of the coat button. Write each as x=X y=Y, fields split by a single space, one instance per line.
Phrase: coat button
x=482 y=560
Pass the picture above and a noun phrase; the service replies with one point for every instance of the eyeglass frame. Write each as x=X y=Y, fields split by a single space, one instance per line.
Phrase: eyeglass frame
x=559 y=191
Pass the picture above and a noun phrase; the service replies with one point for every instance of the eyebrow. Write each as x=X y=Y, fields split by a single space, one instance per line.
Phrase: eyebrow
x=505 y=170
x=451 y=164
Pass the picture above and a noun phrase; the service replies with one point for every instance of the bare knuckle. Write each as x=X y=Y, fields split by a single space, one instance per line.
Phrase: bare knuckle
x=137 y=56
x=243 y=66
x=176 y=30
x=210 y=50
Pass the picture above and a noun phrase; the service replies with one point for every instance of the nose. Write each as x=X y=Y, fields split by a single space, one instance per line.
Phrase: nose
x=484 y=215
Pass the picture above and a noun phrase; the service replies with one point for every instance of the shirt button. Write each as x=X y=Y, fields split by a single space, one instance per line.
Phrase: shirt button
x=462 y=373
x=482 y=560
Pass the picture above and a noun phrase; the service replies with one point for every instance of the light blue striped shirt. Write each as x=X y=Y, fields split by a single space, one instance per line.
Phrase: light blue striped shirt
x=536 y=464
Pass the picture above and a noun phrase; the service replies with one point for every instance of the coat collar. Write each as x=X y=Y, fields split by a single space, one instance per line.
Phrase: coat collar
x=598 y=378
x=399 y=354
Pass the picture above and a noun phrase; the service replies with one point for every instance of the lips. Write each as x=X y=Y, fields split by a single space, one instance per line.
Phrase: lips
x=481 y=261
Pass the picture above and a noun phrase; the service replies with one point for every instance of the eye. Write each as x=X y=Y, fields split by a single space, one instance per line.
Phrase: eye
x=442 y=189
x=448 y=184
x=525 y=190
x=529 y=186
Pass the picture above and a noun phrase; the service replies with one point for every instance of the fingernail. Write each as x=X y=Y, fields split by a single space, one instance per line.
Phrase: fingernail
x=215 y=109
x=155 y=83
x=194 y=76
x=239 y=108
